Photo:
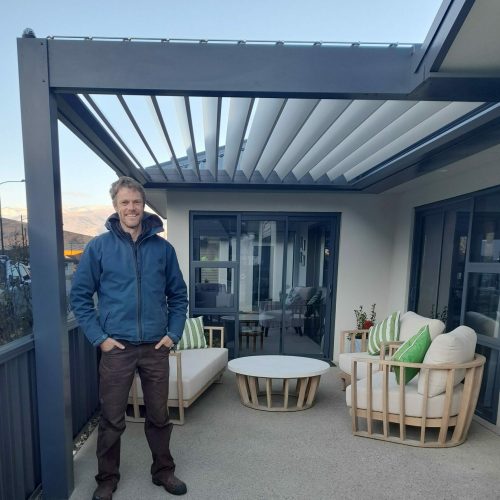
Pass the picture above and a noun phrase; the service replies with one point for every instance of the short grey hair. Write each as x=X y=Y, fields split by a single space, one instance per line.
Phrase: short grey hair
x=126 y=182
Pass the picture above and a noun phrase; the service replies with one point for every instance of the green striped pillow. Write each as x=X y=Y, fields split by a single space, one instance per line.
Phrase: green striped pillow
x=193 y=336
x=385 y=331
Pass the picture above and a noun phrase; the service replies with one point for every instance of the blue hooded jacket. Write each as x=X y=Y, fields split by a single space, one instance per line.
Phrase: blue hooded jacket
x=141 y=293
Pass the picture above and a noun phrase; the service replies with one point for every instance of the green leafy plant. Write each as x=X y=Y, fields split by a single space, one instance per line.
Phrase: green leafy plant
x=362 y=321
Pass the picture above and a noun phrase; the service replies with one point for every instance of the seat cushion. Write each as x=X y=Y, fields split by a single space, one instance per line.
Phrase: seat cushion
x=413 y=400
x=345 y=359
x=412 y=322
x=457 y=346
x=198 y=367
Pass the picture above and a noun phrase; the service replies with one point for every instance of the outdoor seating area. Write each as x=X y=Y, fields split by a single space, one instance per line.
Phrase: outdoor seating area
x=268 y=183
x=227 y=450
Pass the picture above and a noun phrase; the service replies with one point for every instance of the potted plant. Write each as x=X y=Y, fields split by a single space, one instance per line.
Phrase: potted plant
x=362 y=321
x=368 y=323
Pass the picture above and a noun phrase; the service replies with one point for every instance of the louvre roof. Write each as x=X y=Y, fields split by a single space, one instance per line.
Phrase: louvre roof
x=306 y=142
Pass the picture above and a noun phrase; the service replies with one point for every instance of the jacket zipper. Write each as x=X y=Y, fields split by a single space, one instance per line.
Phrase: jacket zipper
x=139 y=295
x=135 y=247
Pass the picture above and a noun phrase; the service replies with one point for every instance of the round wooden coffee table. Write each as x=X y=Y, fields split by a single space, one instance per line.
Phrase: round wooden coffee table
x=306 y=371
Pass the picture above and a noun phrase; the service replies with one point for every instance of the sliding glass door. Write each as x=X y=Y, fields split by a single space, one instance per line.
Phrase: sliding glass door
x=307 y=285
x=262 y=253
x=268 y=279
x=440 y=262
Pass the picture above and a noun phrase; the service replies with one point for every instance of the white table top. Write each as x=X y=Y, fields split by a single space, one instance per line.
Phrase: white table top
x=278 y=366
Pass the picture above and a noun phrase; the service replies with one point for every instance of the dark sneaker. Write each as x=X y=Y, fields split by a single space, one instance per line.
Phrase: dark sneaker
x=104 y=491
x=172 y=484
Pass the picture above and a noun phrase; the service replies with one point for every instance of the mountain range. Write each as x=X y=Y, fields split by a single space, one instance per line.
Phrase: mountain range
x=14 y=235
x=80 y=224
x=87 y=220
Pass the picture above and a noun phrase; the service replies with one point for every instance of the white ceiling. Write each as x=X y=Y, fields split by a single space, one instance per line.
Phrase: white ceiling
x=475 y=48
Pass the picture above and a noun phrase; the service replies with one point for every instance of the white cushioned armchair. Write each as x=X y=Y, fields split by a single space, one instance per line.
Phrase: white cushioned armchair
x=442 y=397
x=410 y=323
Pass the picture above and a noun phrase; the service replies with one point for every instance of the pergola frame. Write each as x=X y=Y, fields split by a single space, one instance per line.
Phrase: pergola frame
x=52 y=72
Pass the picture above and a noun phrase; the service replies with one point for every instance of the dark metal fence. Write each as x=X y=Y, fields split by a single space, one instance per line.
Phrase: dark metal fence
x=20 y=471
x=19 y=439
x=83 y=372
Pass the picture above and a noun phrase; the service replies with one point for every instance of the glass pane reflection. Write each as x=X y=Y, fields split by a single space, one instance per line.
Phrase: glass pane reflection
x=483 y=304
x=308 y=261
x=214 y=238
x=485 y=243
x=213 y=288
x=226 y=321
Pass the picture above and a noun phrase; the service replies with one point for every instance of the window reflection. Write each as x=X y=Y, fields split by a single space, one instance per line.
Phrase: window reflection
x=488 y=395
x=214 y=238
x=483 y=304
x=486 y=229
x=213 y=288
x=227 y=321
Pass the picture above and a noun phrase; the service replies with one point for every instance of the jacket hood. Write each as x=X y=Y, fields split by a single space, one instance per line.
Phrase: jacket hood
x=151 y=224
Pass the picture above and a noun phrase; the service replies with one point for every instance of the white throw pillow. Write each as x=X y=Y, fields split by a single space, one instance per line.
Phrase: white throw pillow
x=457 y=347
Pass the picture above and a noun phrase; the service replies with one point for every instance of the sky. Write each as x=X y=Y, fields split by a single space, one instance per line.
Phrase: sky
x=85 y=178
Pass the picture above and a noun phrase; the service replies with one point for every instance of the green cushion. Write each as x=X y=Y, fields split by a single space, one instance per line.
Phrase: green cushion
x=412 y=351
x=385 y=331
x=193 y=336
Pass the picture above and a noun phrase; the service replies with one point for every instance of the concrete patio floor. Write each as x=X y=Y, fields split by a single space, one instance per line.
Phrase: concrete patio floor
x=228 y=451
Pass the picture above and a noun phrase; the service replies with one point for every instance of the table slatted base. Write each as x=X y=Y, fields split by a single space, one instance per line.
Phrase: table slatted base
x=301 y=398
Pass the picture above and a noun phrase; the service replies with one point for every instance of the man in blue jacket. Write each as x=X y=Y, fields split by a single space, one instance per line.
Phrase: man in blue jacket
x=141 y=311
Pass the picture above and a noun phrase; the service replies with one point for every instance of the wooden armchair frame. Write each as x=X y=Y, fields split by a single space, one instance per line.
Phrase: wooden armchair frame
x=348 y=337
x=136 y=401
x=461 y=421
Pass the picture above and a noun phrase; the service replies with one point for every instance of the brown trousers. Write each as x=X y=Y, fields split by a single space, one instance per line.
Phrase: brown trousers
x=117 y=369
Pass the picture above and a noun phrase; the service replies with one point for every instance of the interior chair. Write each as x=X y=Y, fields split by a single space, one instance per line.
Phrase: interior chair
x=295 y=310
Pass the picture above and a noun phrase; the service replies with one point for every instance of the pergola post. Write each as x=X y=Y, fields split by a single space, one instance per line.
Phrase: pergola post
x=41 y=160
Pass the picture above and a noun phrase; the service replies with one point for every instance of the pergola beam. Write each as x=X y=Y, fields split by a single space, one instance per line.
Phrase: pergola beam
x=240 y=70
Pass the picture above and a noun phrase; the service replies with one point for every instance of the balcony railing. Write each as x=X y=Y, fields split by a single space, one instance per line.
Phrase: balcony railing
x=20 y=475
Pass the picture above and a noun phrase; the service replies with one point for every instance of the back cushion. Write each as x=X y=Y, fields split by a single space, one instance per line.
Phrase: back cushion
x=457 y=346
x=412 y=322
